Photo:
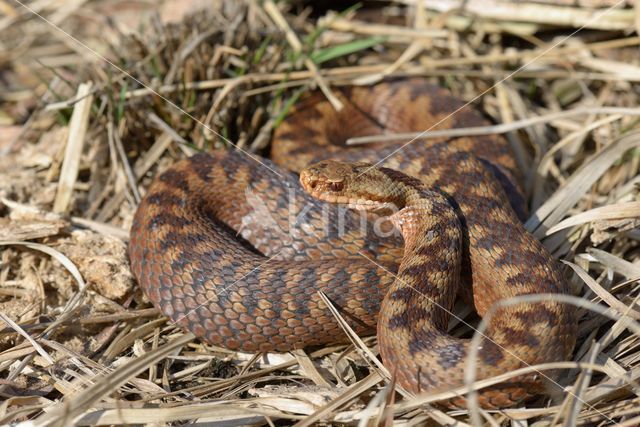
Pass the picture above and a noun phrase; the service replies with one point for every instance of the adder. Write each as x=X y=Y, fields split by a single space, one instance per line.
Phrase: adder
x=235 y=251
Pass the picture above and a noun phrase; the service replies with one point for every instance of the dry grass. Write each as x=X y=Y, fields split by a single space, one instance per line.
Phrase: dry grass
x=80 y=140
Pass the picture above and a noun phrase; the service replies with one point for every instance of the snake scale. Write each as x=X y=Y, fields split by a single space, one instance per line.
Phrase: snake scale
x=236 y=252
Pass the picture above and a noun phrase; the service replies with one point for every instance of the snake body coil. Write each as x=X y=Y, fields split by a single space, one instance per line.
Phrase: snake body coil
x=236 y=252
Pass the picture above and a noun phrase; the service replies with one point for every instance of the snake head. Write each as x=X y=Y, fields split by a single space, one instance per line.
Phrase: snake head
x=356 y=185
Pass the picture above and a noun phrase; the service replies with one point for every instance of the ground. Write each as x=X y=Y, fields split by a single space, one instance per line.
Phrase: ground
x=98 y=97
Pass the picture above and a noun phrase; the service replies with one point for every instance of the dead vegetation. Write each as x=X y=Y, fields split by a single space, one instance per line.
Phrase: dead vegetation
x=84 y=128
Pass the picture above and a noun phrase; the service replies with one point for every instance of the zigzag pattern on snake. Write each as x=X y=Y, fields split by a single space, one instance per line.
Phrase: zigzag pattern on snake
x=249 y=280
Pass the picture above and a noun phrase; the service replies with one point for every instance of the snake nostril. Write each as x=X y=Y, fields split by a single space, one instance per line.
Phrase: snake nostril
x=313 y=184
x=337 y=186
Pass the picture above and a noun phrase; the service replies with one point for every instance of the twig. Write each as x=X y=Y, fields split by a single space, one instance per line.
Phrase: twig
x=75 y=142
x=75 y=404
x=126 y=167
x=614 y=211
x=547 y=14
x=351 y=392
x=491 y=130
x=367 y=28
x=28 y=337
x=293 y=40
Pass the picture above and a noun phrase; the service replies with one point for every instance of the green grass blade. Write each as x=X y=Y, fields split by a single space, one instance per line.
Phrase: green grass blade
x=332 y=52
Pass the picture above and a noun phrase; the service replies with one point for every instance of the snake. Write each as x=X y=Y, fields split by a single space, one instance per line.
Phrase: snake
x=249 y=253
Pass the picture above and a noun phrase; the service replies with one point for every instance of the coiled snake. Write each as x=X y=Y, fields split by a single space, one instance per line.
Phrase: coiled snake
x=236 y=252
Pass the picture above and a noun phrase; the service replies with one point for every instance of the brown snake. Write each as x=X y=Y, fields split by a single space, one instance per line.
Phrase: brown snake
x=236 y=253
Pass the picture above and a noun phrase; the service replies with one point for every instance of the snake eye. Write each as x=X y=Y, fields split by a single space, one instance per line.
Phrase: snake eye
x=337 y=186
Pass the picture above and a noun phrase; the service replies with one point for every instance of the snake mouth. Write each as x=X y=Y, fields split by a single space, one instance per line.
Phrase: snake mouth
x=349 y=202
x=357 y=204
